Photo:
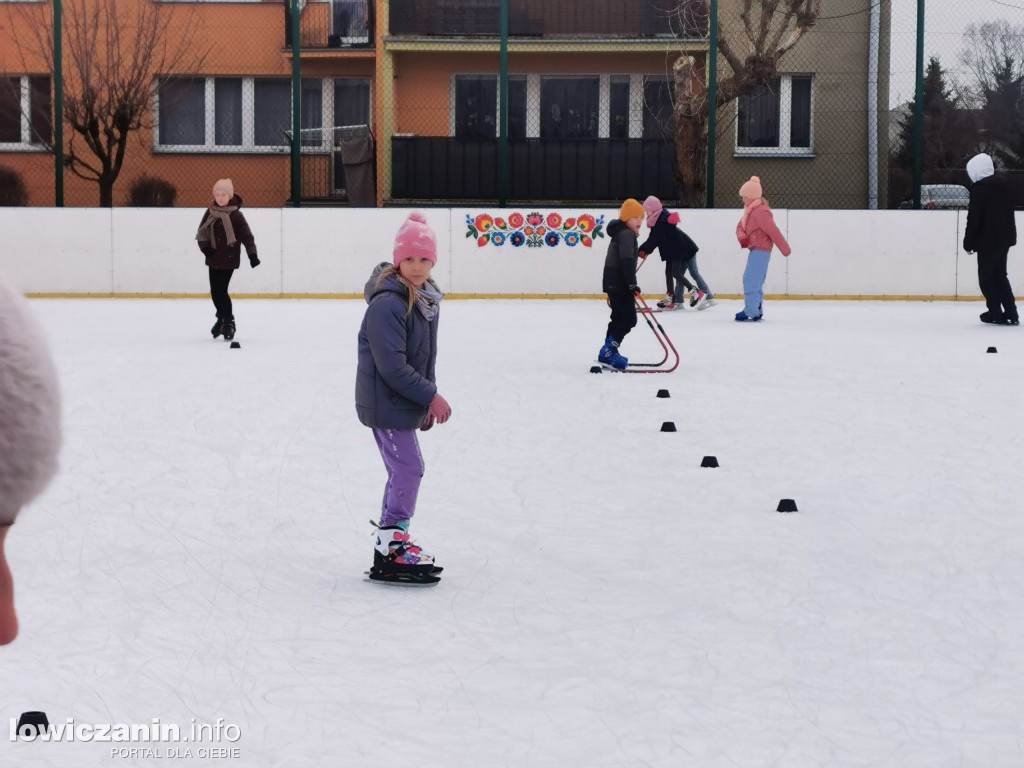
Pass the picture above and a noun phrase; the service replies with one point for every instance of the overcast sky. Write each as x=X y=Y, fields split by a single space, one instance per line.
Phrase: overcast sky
x=945 y=22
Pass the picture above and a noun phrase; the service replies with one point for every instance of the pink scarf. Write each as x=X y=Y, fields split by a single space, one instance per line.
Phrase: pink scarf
x=748 y=209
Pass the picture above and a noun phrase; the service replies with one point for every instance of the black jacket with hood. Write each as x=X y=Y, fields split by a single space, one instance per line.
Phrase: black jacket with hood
x=669 y=240
x=620 y=263
x=990 y=218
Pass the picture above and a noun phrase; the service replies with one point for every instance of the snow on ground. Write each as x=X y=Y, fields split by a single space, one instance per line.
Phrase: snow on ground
x=606 y=602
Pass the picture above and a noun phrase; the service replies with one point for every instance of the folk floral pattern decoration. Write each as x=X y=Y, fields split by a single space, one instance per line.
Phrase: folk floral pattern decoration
x=534 y=229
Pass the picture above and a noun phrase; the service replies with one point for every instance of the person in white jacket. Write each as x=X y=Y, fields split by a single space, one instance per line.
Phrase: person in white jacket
x=30 y=430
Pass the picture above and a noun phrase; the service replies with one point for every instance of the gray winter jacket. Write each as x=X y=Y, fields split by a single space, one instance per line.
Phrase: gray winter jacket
x=397 y=350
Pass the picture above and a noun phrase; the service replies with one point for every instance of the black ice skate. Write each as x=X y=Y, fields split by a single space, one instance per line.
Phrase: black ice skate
x=398 y=560
x=228 y=328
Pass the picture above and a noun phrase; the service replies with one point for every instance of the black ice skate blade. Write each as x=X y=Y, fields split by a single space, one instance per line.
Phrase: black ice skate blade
x=403 y=579
x=634 y=367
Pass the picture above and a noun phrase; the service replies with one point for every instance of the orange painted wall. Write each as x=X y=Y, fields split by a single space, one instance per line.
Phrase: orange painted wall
x=424 y=81
x=240 y=39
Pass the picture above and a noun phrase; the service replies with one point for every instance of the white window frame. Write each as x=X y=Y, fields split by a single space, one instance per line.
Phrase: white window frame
x=248 y=145
x=26 y=144
x=785 y=123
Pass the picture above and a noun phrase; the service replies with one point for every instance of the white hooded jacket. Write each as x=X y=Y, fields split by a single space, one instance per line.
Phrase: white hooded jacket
x=980 y=167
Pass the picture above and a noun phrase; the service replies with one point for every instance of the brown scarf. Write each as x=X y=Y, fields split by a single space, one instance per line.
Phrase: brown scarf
x=223 y=215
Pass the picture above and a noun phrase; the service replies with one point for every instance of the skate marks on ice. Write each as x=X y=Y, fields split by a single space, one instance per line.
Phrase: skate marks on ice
x=606 y=600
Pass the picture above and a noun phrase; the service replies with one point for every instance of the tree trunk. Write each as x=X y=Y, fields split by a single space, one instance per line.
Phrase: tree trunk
x=106 y=185
x=691 y=139
x=691 y=160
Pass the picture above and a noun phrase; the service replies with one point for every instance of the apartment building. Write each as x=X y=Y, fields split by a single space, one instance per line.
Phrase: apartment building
x=589 y=104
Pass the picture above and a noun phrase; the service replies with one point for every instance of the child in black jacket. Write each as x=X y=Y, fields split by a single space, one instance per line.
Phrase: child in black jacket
x=222 y=233
x=679 y=253
x=619 y=281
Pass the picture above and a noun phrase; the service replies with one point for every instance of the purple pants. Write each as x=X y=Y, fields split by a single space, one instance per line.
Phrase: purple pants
x=401 y=453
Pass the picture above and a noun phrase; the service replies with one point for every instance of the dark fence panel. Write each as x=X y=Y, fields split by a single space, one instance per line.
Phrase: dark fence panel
x=558 y=170
x=540 y=18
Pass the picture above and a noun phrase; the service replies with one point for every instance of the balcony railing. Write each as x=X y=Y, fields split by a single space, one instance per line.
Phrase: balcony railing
x=565 y=170
x=550 y=18
x=332 y=24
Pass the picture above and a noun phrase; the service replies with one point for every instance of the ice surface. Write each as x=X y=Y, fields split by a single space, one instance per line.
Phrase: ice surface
x=605 y=602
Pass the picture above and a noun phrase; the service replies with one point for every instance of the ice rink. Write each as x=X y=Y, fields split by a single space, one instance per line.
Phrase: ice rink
x=606 y=602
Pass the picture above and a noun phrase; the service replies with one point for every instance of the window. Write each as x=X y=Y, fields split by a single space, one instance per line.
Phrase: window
x=569 y=107
x=246 y=114
x=618 y=107
x=348 y=21
x=182 y=112
x=25 y=112
x=351 y=101
x=658 y=118
x=272 y=106
x=517 y=108
x=776 y=118
x=598 y=106
x=227 y=106
x=476 y=107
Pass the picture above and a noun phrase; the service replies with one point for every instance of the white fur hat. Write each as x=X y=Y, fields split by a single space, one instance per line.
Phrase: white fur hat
x=30 y=431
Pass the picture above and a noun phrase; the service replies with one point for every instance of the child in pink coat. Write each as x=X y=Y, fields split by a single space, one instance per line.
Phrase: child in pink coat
x=758 y=232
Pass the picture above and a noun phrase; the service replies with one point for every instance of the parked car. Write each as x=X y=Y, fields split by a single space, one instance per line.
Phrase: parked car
x=941 y=197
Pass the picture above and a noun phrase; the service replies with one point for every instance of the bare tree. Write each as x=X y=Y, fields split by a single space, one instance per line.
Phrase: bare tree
x=113 y=54
x=991 y=49
x=769 y=31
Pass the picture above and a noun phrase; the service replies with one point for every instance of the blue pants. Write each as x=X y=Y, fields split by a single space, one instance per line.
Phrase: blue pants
x=695 y=274
x=401 y=453
x=753 y=282
x=675 y=279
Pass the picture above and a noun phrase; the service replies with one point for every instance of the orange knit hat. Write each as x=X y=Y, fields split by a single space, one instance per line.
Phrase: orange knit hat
x=631 y=209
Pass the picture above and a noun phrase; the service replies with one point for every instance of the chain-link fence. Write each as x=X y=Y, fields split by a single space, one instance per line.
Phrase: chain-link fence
x=971 y=97
x=412 y=102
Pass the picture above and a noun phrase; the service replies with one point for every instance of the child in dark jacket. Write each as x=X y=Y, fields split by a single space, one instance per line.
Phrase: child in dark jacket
x=619 y=281
x=678 y=252
x=222 y=233
x=396 y=393
x=991 y=231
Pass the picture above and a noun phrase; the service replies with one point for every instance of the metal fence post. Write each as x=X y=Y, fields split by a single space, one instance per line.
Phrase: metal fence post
x=712 y=68
x=503 y=169
x=919 y=108
x=296 y=110
x=58 y=104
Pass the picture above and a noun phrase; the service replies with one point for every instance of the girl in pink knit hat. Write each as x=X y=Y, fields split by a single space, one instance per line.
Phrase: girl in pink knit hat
x=679 y=253
x=758 y=232
x=396 y=393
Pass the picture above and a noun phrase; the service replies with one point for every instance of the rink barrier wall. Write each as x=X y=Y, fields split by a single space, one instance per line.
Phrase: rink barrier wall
x=329 y=253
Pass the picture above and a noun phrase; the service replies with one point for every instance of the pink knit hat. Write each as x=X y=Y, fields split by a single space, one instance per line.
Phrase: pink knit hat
x=652 y=207
x=751 y=187
x=415 y=238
